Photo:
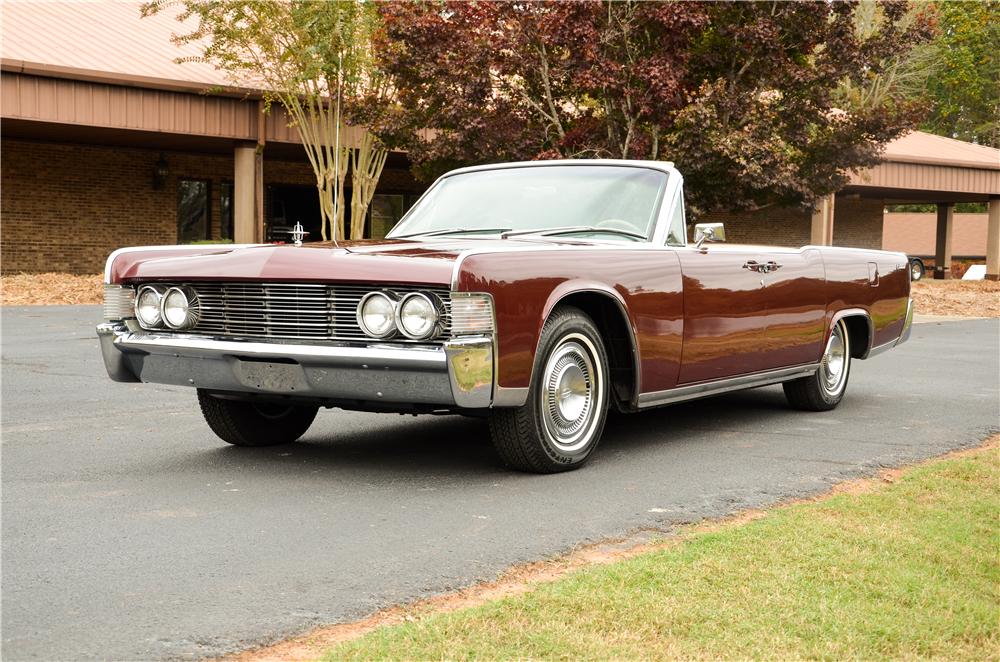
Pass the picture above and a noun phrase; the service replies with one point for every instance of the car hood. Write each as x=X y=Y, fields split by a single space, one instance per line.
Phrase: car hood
x=428 y=262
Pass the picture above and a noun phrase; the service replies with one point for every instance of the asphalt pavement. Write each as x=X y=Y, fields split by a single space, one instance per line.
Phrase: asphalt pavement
x=130 y=532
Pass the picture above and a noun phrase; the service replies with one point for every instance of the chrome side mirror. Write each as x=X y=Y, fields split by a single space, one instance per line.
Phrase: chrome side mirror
x=710 y=232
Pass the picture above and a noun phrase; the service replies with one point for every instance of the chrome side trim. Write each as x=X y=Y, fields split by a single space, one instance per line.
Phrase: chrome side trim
x=719 y=386
x=875 y=351
x=510 y=397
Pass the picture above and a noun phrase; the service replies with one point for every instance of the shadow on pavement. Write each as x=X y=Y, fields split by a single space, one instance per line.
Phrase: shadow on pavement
x=447 y=445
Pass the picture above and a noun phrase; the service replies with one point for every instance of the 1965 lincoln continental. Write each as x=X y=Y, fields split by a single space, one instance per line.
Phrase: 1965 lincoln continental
x=536 y=294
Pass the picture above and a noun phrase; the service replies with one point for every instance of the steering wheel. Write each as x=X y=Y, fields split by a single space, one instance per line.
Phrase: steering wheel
x=617 y=223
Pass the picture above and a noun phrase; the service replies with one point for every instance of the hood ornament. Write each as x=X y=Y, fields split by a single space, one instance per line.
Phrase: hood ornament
x=298 y=234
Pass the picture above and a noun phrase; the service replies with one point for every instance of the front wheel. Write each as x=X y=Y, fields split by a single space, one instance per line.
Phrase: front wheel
x=917 y=269
x=825 y=389
x=559 y=426
x=244 y=423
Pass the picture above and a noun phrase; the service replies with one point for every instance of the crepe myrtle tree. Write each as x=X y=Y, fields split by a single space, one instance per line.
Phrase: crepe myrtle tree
x=742 y=96
x=317 y=60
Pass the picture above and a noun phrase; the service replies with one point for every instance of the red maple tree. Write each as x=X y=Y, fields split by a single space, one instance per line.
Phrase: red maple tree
x=742 y=96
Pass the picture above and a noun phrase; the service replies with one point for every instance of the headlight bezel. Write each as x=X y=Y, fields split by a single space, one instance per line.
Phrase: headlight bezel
x=435 y=307
x=157 y=291
x=392 y=328
x=191 y=307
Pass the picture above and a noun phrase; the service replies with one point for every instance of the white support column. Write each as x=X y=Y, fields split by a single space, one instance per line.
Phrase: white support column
x=821 y=232
x=245 y=221
x=993 y=241
x=942 y=249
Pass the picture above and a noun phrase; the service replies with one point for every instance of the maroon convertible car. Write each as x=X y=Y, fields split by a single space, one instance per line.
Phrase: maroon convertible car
x=536 y=294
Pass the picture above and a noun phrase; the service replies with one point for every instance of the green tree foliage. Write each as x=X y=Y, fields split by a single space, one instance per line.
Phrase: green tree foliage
x=317 y=60
x=965 y=88
x=744 y=97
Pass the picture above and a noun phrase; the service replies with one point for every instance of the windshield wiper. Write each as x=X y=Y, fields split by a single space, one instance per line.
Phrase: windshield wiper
x=572 y=229
x=432 y=233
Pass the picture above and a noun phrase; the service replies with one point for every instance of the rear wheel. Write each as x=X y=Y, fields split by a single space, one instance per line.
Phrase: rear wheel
x=917 y=269
x=244 y=423
x=824 y=390
x=561 y=423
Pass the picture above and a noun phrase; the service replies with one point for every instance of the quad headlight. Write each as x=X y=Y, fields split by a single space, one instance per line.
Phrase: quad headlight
x=147 y=306
x=180 y=308
x=377 y=314
x=417 y=316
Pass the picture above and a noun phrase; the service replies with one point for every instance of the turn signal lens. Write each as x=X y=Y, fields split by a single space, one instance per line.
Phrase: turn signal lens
x=147 y=306
x=417 y=316
x=471 y=314
x=180 y=308
x=376 y=314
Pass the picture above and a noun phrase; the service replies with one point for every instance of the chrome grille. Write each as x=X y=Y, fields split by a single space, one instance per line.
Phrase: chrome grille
x=291 y=310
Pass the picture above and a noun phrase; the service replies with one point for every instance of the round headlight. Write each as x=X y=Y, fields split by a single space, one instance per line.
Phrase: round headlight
x=376 y=314
x=147 y=306
x=417 y=316
x=179 y=308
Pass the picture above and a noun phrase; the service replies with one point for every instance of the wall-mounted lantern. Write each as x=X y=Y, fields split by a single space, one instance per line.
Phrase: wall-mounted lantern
x=160 y=172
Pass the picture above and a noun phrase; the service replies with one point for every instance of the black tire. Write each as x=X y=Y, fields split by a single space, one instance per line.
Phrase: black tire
x=825 y=389
x=542 y=436
x=917 y=269
x=244 y=423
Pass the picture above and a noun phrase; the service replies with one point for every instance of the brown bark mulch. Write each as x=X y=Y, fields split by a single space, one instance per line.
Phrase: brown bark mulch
x=931 y=297
x=50 y=289
x=960 y=298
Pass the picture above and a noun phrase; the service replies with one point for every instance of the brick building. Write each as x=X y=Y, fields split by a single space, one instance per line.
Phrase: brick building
x=105 y=141
x=108 y=142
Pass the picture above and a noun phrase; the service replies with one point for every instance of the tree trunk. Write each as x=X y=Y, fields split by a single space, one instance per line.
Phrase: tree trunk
x=367 y=162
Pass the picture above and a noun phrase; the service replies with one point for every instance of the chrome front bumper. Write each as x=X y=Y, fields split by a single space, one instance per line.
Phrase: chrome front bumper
x=458 y=373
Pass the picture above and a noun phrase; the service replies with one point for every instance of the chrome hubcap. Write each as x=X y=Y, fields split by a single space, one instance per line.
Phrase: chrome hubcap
x=571 y=394
x=834 y=365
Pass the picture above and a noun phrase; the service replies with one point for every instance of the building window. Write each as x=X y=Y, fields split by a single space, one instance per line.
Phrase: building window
x=226 y=229
x=385 y=211
x=193 y=211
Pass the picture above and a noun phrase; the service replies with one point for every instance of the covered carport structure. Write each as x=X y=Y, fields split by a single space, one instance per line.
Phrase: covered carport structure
x=921 y=168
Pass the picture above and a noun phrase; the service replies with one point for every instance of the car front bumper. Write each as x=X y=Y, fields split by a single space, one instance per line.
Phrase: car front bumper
x=456 y=374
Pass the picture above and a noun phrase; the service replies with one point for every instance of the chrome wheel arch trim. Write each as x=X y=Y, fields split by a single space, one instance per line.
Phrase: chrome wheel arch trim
x=851 y=312
x=504 y=396
x=554 y=303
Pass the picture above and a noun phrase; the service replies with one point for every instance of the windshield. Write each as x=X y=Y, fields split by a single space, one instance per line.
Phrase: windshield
x=610 y=202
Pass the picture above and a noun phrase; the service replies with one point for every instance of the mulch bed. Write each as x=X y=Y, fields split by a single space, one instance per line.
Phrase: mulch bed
x=50 y=288
x=931 y=297
x=961 y=298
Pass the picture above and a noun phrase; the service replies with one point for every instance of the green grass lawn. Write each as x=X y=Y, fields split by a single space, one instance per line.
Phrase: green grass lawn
x=910 y=570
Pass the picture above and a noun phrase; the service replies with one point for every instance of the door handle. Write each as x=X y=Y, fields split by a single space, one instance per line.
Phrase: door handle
x=752 y=265
x=771 y=266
